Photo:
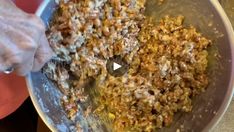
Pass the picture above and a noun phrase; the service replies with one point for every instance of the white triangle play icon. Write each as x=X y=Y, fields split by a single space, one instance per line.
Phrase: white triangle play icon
x=116 y=66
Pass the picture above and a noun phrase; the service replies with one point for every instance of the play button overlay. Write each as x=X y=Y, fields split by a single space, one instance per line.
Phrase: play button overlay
x=117 y=66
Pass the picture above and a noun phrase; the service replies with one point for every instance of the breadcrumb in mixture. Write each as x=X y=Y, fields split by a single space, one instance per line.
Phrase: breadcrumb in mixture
x=168 y=62
x=160 y=2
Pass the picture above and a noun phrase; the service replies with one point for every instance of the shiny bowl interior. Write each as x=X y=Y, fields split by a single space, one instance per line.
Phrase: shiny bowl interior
x=228 y=6
x=209 y=18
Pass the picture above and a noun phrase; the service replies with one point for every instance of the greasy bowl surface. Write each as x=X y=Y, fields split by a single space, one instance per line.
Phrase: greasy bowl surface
x=228 y=6
x=208 y=107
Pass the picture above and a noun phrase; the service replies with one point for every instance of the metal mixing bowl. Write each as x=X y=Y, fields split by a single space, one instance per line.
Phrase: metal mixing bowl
x=209 y=18
x=228 y=6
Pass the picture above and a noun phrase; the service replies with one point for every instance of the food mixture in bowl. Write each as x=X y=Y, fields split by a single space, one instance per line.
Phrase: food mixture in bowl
x=167 y=62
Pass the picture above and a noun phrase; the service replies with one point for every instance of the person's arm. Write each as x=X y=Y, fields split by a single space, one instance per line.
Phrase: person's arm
x=23 y=44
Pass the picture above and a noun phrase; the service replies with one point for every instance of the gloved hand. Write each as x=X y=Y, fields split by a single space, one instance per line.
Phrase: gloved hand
x=23 y=43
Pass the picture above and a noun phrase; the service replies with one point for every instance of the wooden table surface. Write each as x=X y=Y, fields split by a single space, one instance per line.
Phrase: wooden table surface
x=227 y=122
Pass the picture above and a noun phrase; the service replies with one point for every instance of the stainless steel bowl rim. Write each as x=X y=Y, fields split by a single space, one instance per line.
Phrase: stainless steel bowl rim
x=42 y=115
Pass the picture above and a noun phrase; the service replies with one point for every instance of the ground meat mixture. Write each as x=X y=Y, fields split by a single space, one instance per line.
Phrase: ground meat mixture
x=167 y=62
